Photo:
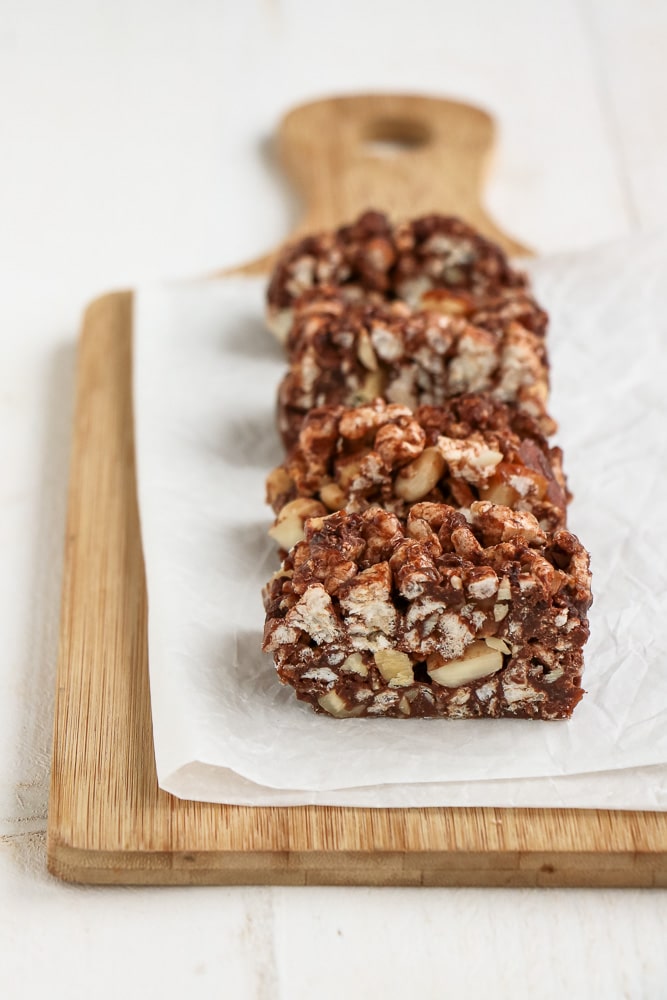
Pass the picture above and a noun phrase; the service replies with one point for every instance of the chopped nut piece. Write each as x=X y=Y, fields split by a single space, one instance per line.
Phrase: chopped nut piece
x=365 y=352
x=353 y=458
x=498 y=644
x=417 y=479
x=354 y=664
x=278 y=485
x=333 y=496
x=477 y=661
x=334 y=705
x=395 y=667
x=289 y=526
x=498 y=493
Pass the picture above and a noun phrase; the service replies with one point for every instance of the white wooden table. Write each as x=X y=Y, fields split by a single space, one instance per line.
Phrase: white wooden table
x=133 y=145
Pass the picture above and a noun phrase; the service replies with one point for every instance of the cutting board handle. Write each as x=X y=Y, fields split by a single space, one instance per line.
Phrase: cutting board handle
x=405 y=155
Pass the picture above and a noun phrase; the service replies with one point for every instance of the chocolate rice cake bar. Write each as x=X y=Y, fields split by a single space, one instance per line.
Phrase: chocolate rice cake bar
x=382 y=454
x=437 y=616
x=343 y=354
x=435 y=262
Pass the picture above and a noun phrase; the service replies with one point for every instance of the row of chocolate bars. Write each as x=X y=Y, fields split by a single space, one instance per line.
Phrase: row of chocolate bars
x=421 y=511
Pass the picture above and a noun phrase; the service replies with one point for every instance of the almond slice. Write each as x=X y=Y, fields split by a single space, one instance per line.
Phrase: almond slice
x=479 y=660
x=500 y=644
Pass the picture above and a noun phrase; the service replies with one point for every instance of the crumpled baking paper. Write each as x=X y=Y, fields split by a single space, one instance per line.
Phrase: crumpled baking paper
x=225 y=729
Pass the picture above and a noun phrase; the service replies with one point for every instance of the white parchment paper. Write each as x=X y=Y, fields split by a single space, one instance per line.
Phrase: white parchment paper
x=205 y=376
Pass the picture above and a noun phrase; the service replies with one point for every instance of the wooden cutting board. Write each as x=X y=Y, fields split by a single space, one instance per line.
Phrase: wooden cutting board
x=108 y=820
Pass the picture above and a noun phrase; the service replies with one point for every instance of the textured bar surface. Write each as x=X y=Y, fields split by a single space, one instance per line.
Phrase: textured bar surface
x=351 y=354
x=437 y=617
x=432 y=260
x=382 y=454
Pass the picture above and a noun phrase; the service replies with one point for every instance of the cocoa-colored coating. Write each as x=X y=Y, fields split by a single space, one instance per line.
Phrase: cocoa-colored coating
x=343 y=354
x=354 y=458
x=435 y=261
x=364 y=583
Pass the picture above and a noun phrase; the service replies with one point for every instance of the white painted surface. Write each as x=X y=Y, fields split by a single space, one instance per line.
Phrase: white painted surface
x=131 y=146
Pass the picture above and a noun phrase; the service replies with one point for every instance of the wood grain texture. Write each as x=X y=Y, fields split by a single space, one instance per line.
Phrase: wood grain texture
x=402 y=154
x=108 y=820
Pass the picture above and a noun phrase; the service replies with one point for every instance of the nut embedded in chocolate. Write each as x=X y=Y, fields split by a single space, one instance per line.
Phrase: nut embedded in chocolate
x=439 y=616
x=350 y=355
x=435 y=262
x=382 y=454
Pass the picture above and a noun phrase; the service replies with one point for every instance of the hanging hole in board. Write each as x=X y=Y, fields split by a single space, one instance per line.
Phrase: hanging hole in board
x=389 y=137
